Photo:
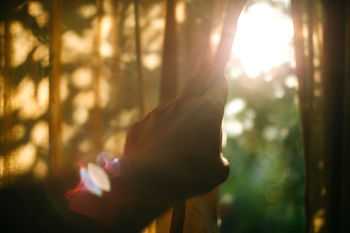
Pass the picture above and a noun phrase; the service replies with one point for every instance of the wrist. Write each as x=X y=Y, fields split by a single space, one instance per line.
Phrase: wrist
x=145 y=203
x=150 y=193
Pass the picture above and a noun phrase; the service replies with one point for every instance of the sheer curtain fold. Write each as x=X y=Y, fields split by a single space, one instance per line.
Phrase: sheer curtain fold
x=204 y=21
x=322 y=66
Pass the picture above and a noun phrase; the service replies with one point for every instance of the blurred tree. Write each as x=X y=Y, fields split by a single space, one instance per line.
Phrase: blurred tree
x=264 y=192
x=265 y=189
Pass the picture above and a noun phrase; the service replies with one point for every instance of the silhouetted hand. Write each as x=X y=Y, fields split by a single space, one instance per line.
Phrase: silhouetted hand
x=174 y=151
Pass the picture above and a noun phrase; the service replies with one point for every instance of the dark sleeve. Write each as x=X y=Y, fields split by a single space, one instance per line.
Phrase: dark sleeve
x=33 y=209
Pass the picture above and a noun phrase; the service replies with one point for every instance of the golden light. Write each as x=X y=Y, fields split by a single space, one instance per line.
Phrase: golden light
x=82 y=77
x=106 y=49
x=64 y=90
x=180 y=12
x=104 y=93
x=87 y=11
x=41 y=53
x=30 y=104
x=318 y=220
x=20 y=161
x=80 y=115
x=84 y=99
x=36 y=10
x=75 y=46
x=40 y=134
x=151 y=61
x=23 y=41
x=263 y=39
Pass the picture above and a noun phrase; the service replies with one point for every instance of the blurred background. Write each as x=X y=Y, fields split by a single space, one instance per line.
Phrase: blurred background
x=262 y=136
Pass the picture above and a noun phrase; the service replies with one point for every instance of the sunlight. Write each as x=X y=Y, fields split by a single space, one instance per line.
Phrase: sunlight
x=40 y=134
x=151 y=61
x=106 y=49
x=263 y=39
x=64 y=89
x=318 y=220
x=41 y=53
x=80 y=115
x=20 y=161
x=26 y=100
x=87 y=11
x=84 y=99
x=215 y=39
x=82 y=77
x=180 y=12
x=291 y=81
x=23 y=41
x=233 y=127
x=76 y=46
x=36 y=10
x=234 y=106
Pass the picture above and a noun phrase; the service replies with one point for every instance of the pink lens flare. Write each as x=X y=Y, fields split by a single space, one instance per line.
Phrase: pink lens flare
x=96 y=177
x=109 y=163
x=78 y=188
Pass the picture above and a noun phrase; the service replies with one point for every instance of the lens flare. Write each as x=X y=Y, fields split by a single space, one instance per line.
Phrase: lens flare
x=89 y=183
x=99 y=177
x=109 y=163
x=96 y=177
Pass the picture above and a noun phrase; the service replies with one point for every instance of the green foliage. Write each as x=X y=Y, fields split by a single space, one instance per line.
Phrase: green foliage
x=264 y=192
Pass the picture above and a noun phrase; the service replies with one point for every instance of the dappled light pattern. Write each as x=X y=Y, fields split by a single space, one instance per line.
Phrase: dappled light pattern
x=20 y=162
x=98 y=87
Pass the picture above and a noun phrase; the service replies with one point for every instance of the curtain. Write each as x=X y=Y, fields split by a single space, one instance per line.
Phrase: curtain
x=322 y=42
x=75 y=75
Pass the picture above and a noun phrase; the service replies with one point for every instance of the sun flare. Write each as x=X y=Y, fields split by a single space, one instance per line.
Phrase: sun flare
x=264 y=39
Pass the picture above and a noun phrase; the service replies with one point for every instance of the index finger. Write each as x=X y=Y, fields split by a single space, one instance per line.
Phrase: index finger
x=211 y=82
x=228 y=32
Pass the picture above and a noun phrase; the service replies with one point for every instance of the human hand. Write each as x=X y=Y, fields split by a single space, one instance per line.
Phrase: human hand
x=175 y=150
